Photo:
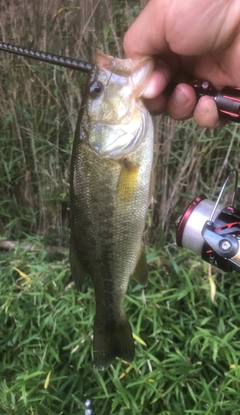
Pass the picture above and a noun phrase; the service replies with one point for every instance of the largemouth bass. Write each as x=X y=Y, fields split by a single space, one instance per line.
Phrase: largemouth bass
x=110 y=193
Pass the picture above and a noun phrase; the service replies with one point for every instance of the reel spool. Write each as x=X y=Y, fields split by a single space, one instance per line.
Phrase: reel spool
x=211 y=230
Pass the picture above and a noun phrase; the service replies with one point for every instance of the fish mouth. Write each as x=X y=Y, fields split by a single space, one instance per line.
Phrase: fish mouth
x=121 y=142
x=139 y=71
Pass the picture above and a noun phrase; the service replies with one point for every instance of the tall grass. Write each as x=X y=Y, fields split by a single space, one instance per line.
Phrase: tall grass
x=40 y=103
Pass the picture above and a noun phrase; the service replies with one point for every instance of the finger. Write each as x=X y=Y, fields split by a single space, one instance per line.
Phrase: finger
x=153 y=42
x=182 y=102
x=160 y=78
x=206 y=113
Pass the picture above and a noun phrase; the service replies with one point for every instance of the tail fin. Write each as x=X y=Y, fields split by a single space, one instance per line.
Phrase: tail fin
x=113 y=340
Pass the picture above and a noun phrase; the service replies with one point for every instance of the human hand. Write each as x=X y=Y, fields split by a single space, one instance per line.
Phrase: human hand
x=189 y=40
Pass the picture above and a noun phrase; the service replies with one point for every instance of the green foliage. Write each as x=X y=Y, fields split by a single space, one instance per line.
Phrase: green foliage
x=40 y=104
x=190 y=363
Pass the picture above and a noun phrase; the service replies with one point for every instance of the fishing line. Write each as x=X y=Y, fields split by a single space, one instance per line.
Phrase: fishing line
x=113 y=66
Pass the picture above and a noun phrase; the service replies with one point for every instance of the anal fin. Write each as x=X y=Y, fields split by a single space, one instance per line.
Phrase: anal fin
x=77 y=270
x=140 y=273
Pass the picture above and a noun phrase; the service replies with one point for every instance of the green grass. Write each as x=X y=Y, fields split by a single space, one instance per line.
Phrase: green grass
x=190 y=364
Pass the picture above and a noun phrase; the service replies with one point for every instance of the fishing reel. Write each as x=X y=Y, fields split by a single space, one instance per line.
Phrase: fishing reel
x=211 y=230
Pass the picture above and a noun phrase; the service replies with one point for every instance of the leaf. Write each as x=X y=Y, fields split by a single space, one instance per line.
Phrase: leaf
x=212 y=288
x=46 y=383
x=138 y=339
x=191 y=392
x=23 y=275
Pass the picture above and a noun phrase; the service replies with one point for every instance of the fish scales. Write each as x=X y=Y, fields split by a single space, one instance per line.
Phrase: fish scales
x=110 y=187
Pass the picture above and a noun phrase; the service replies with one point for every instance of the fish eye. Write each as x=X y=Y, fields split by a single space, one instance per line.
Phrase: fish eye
x=95 y=89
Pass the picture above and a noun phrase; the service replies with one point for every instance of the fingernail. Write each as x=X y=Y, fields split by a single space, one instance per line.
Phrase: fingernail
x=179 y=98
x=202 y=108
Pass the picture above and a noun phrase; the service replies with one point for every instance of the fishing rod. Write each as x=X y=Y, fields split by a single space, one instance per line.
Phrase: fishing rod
x=39 y=55
x=227 y=100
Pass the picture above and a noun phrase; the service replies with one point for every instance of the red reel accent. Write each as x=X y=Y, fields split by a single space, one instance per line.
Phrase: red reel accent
x=185 y=217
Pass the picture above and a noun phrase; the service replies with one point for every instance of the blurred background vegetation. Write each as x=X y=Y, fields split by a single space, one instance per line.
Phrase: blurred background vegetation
x=39 y=107
x=40 y=103
x=190 y=364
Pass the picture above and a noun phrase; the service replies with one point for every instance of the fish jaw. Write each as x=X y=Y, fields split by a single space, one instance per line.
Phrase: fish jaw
x=138 y=71
x=118 y=117
x=116 y=143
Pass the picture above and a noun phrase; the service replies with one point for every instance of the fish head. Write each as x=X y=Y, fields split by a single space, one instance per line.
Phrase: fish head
x=114 y=107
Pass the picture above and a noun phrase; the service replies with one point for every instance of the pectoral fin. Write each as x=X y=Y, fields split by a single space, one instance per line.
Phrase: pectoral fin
x=140 y=274
x=77 y=270
x=128 y=180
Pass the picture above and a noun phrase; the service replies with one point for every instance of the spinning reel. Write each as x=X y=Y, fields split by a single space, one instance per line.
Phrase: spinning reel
x=211 y=230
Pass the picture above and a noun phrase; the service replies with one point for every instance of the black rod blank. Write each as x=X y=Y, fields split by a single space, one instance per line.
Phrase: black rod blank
x=59 y=60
